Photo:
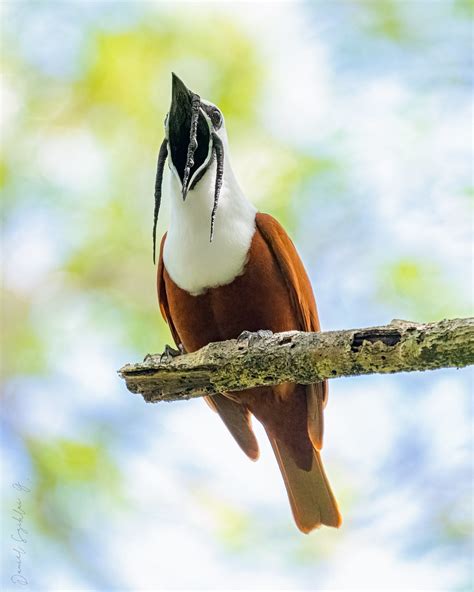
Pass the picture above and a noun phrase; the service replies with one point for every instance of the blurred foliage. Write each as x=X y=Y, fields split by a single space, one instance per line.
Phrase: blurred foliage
x=385 y=18
x=465 y=7
x=23 y=349
x=406 y=284
x=68 y=475
x=234 y=527
x=122 y=63
x=66 y=461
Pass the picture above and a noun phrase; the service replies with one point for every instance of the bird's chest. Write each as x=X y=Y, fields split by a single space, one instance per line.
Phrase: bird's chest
x=256 y=299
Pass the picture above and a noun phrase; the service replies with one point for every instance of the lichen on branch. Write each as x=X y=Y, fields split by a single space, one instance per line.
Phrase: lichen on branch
x=295 y=356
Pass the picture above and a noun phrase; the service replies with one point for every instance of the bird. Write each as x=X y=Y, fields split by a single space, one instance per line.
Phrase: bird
x=226 y=271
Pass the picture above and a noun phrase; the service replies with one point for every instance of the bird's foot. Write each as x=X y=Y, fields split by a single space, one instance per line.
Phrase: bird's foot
x=170 y=353
x=254 y=336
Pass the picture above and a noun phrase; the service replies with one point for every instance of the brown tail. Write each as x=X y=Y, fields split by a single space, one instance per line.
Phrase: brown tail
x=309 y=492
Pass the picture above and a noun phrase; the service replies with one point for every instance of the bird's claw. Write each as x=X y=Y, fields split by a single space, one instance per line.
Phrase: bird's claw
x=170 y=353
x=254 y=336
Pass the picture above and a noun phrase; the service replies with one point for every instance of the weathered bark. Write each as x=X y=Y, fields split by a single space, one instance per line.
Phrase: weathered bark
x=294 y=356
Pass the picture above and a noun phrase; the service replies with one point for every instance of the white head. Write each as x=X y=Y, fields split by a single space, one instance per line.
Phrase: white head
x=194 y=135
x=201 y=179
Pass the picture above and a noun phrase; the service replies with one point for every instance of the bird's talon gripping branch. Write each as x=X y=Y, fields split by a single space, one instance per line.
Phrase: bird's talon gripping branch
x=170 y=353
x=254 y=336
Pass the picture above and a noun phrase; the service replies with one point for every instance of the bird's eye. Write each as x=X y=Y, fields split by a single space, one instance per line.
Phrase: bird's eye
x=216 y=118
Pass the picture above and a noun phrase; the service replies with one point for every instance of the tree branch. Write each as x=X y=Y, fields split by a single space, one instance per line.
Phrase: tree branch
x=294 y=356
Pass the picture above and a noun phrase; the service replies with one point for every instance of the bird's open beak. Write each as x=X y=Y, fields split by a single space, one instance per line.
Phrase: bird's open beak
x=189 y=136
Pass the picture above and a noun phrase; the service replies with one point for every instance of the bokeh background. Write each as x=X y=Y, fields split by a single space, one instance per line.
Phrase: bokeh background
x=350 y=121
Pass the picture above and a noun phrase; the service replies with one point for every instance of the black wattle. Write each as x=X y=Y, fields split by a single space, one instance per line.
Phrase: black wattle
x=163 y=153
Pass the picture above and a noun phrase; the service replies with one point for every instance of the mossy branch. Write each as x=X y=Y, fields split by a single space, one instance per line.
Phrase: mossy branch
x=294 y=356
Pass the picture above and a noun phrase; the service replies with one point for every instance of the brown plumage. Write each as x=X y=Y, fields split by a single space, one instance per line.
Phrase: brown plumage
x=273 y=292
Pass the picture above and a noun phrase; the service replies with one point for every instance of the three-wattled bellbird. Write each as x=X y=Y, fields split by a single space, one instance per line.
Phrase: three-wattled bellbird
x=227 y=270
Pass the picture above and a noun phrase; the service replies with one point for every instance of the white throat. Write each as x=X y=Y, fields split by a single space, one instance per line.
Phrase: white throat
x=192 y=261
